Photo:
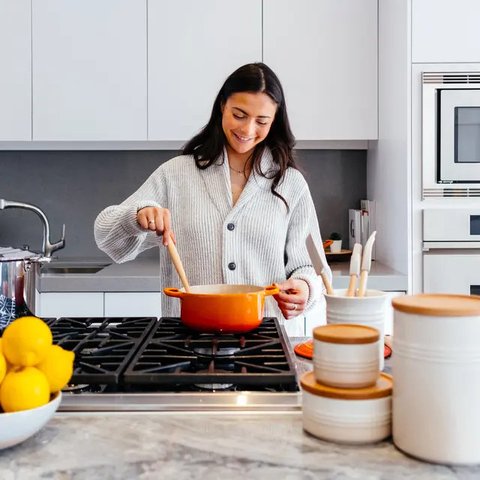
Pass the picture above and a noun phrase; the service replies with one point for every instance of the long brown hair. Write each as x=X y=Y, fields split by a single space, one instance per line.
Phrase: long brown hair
x=208 y=145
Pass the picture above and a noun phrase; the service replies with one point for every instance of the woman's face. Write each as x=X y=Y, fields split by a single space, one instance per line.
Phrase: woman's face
x=246 y=120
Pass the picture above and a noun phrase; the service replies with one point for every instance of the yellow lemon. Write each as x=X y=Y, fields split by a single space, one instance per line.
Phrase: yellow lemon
x=0 y=345
x=57 y=367
x=26 y=341
x=24 y=388
x=3 y=367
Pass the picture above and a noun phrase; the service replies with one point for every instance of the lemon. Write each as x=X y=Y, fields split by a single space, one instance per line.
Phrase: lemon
x=57 y=367
x=24 y=388
x=3 y=367
x=26 y=341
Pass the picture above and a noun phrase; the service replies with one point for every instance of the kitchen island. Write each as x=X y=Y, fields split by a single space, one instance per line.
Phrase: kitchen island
x=204 y=446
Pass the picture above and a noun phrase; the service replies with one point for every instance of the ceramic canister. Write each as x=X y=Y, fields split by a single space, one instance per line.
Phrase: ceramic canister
x=370 y=310
x=346 y=355
x=436 y=366
x=347 y=415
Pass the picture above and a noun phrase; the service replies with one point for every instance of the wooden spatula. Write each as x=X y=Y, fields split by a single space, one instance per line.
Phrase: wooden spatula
x=366 y=264
x=177 y=263
x=355 y=262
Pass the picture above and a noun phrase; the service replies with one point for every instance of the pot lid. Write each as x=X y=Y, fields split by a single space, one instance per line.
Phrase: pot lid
x=439 y=305
x=383 y=388
x=346 y=334
x=8 y=254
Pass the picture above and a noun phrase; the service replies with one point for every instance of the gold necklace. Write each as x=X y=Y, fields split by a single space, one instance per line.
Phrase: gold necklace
x=236 y=171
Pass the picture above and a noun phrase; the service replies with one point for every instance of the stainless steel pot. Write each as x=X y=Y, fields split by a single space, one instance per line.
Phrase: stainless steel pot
x=19 y=270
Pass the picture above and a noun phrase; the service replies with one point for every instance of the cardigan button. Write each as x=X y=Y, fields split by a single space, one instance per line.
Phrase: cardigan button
x=231 y=226
x=232 y=266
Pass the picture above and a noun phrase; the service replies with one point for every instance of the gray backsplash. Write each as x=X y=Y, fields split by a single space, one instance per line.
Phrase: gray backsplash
x=72 y=187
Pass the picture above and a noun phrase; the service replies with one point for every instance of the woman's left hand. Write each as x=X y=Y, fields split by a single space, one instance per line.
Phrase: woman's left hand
x=292 y=297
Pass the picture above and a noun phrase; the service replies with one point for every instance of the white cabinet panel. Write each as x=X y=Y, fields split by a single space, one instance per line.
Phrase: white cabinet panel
x=66 y=304
x=325 y=54
x=133 y=304
x=445 y=31
x=455 y=272
x=192 y=47
x=15 y=64
x=89 y=70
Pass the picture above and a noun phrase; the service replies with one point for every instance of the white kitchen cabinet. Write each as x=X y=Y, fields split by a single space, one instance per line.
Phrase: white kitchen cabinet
x=192 y=47
x=70 y=304
x=15 y=77
x=325 y=54
x=445 y=31
x=89 y=70
x=133 y=304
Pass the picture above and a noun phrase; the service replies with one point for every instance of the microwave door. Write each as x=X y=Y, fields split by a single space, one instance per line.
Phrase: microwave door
x=459 y=129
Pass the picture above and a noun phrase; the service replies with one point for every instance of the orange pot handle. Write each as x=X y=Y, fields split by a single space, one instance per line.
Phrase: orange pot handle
x=173 y=292
x=271 y=290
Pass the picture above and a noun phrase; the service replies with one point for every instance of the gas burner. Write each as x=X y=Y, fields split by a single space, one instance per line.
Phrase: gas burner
x=73 y=388
x=214 y=351
x=213 y=386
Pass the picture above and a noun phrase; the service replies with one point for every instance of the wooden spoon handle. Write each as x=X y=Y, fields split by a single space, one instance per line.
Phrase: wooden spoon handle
x=177 y=263
x=363 y=283
x=327 y=283
x=351 y=286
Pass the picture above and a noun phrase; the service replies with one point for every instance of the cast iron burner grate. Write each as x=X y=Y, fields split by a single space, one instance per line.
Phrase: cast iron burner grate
x=176 y=355
x=103 y=346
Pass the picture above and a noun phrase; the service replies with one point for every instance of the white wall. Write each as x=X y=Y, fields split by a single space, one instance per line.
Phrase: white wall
x=388 y=160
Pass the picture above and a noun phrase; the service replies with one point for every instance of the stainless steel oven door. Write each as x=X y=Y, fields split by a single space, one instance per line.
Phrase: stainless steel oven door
x=459 y=139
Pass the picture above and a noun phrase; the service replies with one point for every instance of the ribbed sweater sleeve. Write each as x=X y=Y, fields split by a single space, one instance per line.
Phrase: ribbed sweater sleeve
x=116 y=230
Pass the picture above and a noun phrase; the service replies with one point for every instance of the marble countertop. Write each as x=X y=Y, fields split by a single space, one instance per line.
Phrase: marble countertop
x=204 y=446
x=143 y=275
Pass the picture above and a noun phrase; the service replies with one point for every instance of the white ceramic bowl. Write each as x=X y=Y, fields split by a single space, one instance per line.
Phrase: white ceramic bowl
x=16 y=427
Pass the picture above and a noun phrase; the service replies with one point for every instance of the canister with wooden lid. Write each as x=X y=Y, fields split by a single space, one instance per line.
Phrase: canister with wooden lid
x=347 y=415
x=346 y=355
x=436 y=366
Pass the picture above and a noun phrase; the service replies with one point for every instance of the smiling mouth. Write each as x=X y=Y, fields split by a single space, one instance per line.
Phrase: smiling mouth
x=242 y=139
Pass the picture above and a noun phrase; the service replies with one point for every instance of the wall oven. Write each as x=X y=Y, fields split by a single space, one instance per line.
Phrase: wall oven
x=451 y=251
x=451 y=134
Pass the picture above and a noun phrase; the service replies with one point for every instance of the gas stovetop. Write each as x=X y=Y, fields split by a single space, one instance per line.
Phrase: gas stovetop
x=159 y=364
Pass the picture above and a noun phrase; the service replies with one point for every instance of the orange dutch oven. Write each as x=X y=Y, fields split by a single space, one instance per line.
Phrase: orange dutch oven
x=222 y=308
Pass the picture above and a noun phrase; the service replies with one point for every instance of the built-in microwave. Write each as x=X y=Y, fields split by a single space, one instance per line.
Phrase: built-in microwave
x=451 y=134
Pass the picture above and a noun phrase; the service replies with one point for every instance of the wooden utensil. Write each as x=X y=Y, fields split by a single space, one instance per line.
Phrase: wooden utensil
x=177 y=263
x=318 y=263
x=366 y=264
x=355 y=263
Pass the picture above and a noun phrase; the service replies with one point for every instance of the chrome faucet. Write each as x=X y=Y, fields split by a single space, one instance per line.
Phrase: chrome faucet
x=47 y=247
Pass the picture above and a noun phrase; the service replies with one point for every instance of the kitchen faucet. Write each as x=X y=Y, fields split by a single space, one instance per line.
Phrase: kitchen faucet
x=47 y=247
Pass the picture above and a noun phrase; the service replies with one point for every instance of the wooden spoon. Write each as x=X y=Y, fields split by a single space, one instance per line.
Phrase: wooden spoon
x=177 y=263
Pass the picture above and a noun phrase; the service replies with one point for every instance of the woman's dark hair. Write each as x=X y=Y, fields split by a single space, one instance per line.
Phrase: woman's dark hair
x=208 y=145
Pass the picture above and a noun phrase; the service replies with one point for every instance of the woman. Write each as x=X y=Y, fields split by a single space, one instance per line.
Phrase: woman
x=234 y=201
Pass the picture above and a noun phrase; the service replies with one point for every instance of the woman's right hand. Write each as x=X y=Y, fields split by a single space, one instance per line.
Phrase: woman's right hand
x=158 y=220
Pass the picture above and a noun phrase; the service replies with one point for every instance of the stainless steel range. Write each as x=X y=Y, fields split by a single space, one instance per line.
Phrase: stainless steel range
x=149 y=364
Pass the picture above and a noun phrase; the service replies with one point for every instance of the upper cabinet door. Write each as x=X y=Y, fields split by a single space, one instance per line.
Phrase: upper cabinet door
x=192 y=47
x=15 y=73
x=89 y=70
x=445 y=31
x=325 y=54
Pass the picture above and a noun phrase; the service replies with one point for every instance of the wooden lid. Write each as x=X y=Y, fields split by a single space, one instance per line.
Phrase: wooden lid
x=346 y=333
x=383 y=388
x=439 y=305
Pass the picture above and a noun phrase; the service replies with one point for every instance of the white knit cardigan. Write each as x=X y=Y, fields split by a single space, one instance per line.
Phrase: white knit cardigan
x=256 y=241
